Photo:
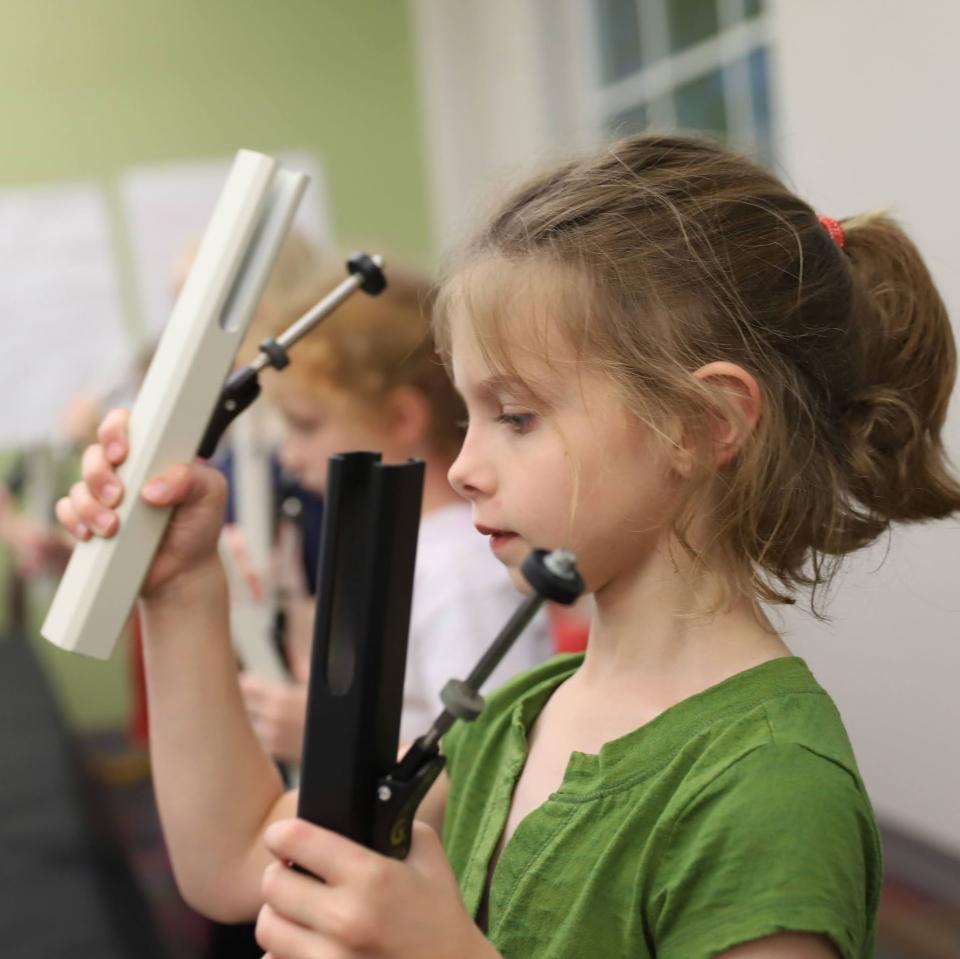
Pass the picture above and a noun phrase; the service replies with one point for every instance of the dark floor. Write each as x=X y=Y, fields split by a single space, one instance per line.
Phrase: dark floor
x=122 y=781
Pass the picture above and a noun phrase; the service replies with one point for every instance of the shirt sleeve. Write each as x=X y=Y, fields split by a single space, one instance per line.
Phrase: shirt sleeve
x=782 y=841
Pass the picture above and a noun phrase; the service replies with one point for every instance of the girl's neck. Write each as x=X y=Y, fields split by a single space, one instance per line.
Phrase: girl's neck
x=648 y=629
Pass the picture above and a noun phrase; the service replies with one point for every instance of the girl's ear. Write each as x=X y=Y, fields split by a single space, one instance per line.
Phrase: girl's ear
x=737 y=411
x=407 y=418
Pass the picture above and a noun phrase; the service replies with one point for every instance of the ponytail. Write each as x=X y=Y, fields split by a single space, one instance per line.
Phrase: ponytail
x=894 y=456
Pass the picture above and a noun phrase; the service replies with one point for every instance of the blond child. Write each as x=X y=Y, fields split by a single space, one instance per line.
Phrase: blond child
x=674 y=368
x=369 y=378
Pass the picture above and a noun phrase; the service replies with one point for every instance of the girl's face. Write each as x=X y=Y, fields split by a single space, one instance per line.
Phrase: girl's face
x=320 y=423
x=567 y=465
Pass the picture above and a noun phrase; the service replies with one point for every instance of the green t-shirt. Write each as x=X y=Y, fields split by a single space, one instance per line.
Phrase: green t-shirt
x=735 y=814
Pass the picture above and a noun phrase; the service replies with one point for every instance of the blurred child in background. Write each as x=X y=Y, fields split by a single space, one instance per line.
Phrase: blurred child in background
x=368 y=378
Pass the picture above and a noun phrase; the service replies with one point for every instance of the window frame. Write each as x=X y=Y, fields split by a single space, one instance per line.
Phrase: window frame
x=653 y=86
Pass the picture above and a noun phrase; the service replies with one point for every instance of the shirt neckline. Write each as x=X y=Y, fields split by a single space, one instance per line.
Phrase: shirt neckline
x=616 y=763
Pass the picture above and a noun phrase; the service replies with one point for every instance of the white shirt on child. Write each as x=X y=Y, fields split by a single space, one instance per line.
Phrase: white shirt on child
x=462 y=597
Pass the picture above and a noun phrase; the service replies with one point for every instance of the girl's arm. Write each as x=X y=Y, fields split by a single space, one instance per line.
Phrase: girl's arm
x=216 y=788
x=217 y=791
x=786 y=945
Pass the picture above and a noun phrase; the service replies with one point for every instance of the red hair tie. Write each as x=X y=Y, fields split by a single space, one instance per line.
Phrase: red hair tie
x=833 y=227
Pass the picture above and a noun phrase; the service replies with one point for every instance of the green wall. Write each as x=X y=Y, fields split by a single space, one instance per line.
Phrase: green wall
x=89 y=88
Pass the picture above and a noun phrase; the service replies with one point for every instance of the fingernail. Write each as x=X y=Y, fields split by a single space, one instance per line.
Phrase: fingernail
x=115 y=451
x=102 y=521
x=110 y=493
x=156 y=490
x=82 y=530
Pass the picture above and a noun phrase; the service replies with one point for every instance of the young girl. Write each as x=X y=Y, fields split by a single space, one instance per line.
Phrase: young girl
x=673 y=367
x=368 y=378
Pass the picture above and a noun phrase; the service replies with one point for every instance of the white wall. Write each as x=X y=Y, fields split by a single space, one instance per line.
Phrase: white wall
x=865 y=93
x=503 y=86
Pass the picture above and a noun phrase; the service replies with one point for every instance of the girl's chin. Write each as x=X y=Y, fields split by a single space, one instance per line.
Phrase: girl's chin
x=519 y=580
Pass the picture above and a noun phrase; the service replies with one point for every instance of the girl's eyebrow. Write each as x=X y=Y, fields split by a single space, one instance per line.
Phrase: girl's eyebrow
x=499 y=384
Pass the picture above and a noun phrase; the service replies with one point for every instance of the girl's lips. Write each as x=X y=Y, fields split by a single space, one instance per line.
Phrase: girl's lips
x=498 y=537
x=490 y=531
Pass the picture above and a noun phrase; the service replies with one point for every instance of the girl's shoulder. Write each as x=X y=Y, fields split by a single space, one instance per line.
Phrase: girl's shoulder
x=768 y=725
x=778 y=709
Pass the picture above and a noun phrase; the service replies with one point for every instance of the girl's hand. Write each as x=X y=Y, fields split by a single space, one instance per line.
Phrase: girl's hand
x=197 y=490
x=37 y=549
x=236 y=545
x=300 y=616
x=277 y=713
x=367 y=905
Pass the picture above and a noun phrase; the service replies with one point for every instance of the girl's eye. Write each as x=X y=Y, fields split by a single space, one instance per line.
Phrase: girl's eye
x=303 y=427
x=517 y=422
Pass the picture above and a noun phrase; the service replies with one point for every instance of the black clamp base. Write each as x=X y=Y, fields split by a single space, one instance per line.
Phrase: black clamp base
x=241 y=389
x=399 y=795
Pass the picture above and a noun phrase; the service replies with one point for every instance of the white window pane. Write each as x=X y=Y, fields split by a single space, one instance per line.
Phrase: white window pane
x=700 y=105
x=760 y=93
x=691 y=21
x=619 y=34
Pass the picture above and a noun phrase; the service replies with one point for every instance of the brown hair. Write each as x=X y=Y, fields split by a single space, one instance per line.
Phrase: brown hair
x=690 y=254
x=372 y=344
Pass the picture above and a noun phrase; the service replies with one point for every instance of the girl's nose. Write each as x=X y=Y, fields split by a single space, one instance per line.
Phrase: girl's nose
x=468 y=475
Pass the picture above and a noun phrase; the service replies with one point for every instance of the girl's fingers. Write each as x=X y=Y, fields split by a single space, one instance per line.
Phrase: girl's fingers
x=67 y=516
x=112 y=433
x=330 y=917
x=263 y=734
x=282 y=937
x=324 y=853
x=237 y=546
x=91 y=513
x=299 y=898
x=255 y=696
x=100 y=477
x=251 y=685
x=171 y=487
x=260 y=731
x=306 y=902
x=185 y=484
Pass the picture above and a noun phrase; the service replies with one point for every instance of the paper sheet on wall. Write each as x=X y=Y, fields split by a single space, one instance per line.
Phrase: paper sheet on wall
x=168 y=207
x=60 y=308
